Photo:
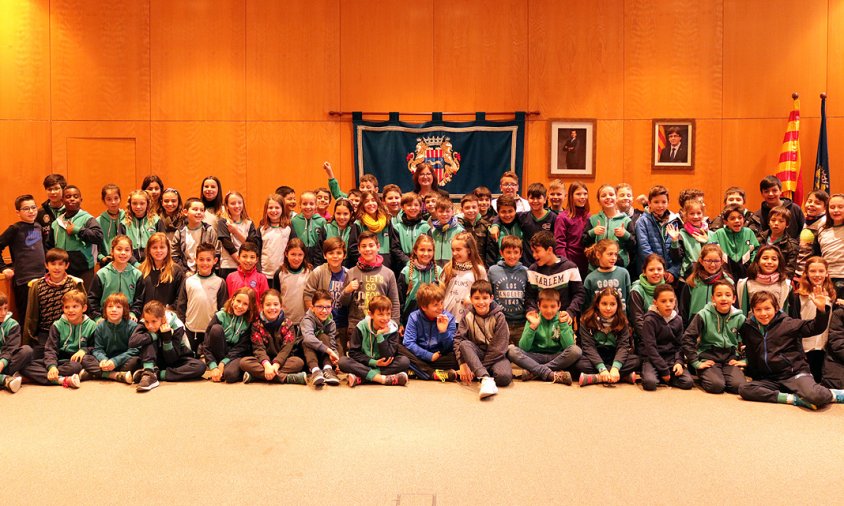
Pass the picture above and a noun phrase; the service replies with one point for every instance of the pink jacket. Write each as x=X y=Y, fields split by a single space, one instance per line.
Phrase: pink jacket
x=253 y=279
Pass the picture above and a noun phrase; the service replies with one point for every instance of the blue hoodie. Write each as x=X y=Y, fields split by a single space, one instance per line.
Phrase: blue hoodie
x=423 y=338
x=509 y=285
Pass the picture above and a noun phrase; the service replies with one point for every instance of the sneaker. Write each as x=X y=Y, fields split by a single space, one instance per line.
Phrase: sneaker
x=125 y=377
x=84 y=375
x=353 y=380
x=13 y=384
x=589 y=379
x=631 y=378
x=330 y=377
x=137 y=375
x=563 y=377
x=148 y=382
x=399 y=379
x=803 y=404
x=527 y=376
x=317 y=379
x=444 y=376
x=488 y=387
x=838 y=395
x=71 y=381
x=299 y=378
x=247 y=378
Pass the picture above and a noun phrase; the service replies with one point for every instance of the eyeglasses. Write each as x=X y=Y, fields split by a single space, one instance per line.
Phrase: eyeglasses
x=29 y=208
x=323 y=308
x=509 y=185
x=712 y=261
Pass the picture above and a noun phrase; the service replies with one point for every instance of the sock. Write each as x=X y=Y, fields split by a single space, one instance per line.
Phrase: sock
x=148 y=365
x=314 y=370
x=162 y=375
x=837 y=395
x=326 y=367
x=784 y=398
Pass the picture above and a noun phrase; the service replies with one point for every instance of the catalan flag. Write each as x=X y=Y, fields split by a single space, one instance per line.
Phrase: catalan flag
x=663 y=140
x=788 y=170
x=822 y=158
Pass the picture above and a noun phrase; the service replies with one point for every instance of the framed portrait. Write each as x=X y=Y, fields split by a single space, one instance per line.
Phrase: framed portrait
x=673 y=144
x=572 y=147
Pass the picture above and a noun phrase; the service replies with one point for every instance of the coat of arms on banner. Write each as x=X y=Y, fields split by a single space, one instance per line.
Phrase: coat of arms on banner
x=438 y=152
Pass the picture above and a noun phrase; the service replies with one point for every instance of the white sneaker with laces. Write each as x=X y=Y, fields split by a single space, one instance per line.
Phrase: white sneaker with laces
x=488 y=387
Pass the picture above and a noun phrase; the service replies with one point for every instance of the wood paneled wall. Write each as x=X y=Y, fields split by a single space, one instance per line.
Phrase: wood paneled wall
x=113 y=91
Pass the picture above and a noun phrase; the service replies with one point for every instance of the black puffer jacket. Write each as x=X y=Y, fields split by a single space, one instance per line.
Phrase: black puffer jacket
x=833 y=366
x=776 y=351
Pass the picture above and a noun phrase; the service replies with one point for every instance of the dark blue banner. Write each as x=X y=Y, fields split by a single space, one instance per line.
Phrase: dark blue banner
x=821 y=179
x=464 y=155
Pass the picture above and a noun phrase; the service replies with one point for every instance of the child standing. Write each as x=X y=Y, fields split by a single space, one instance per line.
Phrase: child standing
x=503 y=224
x=212 y=200
x=604 y=255
x=652 y=231
x=830 y=242
x=556 y=191
x=815 y=207
x=771 y=189
x=550 y=271
x=815 y=279
x=275 y=232
x=368 y=279
x=227 y=338
x=429 y=337
x=24 y=240
x=687 y=242
x=200 y=296
x=291 y=279
x=51 y=208
x=392 y=199
x=165 y=350
x=13 y=356
x=233 y=229
x=306 y=225
x=186 y=240
x=509 y=279
x=323 y=200
x=153 y=185
x=458 y=275
x=697 y=291
x=738 y=242
x=172 y=212
x=605 y=340
x=331 y=277
x=570 y=224
x=480 y=344
x=641 y=295
x=538 y=219
x=662 y=343
x=247 y=274
x=111 y=221
x=140 y=222
x=160 y=276
x=111 y=356
x=775 y=354
x=419 y=270
x=710 y=342
x=484 y=203
x=409 y=225
x=611 y=224
x=736 y=196
x=44 y=303
x=473 y=222
x=341 y=226
x=78 y=233
x=373 y=347
x=778 y=220
x=444 y=229
x=274 y=344
x=509 y=185
x=767 y=272
x=117 y=277
x=319 y=339
x=546 y=348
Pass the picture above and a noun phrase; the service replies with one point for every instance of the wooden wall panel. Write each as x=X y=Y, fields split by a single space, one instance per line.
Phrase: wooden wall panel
x=835 y=55
x=137 y=130
x=292 y=51
x=24 y=161
x=288 y=153
x=772 y=48
x=576 y=58
x=468 y=60
x=386 y=54
x=112 y=158
x=100 y=65
x=672 y=59
x=198 y=60
x=185 y=152
x=24 y=59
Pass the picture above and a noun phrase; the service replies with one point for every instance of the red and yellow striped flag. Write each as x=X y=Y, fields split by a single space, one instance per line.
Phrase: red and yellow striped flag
x=788 y=170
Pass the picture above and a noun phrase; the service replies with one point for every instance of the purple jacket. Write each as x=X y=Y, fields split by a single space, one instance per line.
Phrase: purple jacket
x=568 y=231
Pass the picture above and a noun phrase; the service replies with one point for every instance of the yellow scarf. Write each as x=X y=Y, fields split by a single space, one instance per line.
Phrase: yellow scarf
x=374 y=225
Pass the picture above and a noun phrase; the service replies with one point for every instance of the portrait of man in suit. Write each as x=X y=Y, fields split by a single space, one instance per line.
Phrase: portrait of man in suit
x=677 y=151
x=673 y=143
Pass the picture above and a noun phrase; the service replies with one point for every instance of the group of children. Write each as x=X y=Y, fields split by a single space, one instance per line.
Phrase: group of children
x=383 y=285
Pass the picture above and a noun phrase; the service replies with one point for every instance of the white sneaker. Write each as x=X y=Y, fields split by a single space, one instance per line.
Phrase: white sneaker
x=488 y=387
x=13 y=384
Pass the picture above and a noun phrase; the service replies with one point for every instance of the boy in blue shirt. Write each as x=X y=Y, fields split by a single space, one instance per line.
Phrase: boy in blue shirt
x=429 y=337
x=509 y=278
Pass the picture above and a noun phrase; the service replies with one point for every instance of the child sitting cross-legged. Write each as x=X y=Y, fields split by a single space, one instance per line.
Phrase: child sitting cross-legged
x=273 y=345
x=373 y=348
x=429 y=337
x=661 y=343
x=112 y=357
x=547 y=347
x=319 y=335
x=606 y=343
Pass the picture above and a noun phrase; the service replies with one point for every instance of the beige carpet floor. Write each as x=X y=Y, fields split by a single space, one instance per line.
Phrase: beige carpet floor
x=427 y=443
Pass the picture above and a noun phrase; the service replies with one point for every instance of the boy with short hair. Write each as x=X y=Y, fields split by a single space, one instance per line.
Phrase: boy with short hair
x=429 y=336
x=506 y=224
x=111 y=356
x=652 y=231
x=51 y=208
x=44 y=304
x=164 y=349
x=307 y=225
x=201 y=295
x=546 y=348
x=551 y=271
x=771 y=189
x=779 y=219
x=443 y=230
x=408 y=226
x=319 y=339
x=186 y=240
x=484 y=203
x=556 y=195
x=331 y=277
x=510 y=186
x=13 y=356
x=24 y=240
x=662 y=343
x=66 y=345
x=247 y=274
x=472 y=221
x=509 y=279
x=538 y=219
x=480 y=344
x=373 y=347
x=736 y=195
x=367 y=280
x=78 y=233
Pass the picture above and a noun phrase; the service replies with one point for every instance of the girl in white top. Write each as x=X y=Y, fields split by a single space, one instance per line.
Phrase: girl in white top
x=233 y=229
x=275 y=233
x=815 y=278
x=830 y=243
x=464 y=268
x=291 y=279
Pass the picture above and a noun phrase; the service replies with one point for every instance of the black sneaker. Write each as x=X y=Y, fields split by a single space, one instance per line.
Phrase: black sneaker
x=317 y=378
x=331 y=377
x=148 y=381
x=137 y=375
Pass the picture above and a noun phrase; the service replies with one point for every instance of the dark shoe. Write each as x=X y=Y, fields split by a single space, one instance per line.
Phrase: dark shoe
x=330 y=377
x=563 y=377
x=317 y=378
x=136 y=377
x=247 y=378
x=298 y=378
x=148 y=381
x=527 y=375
